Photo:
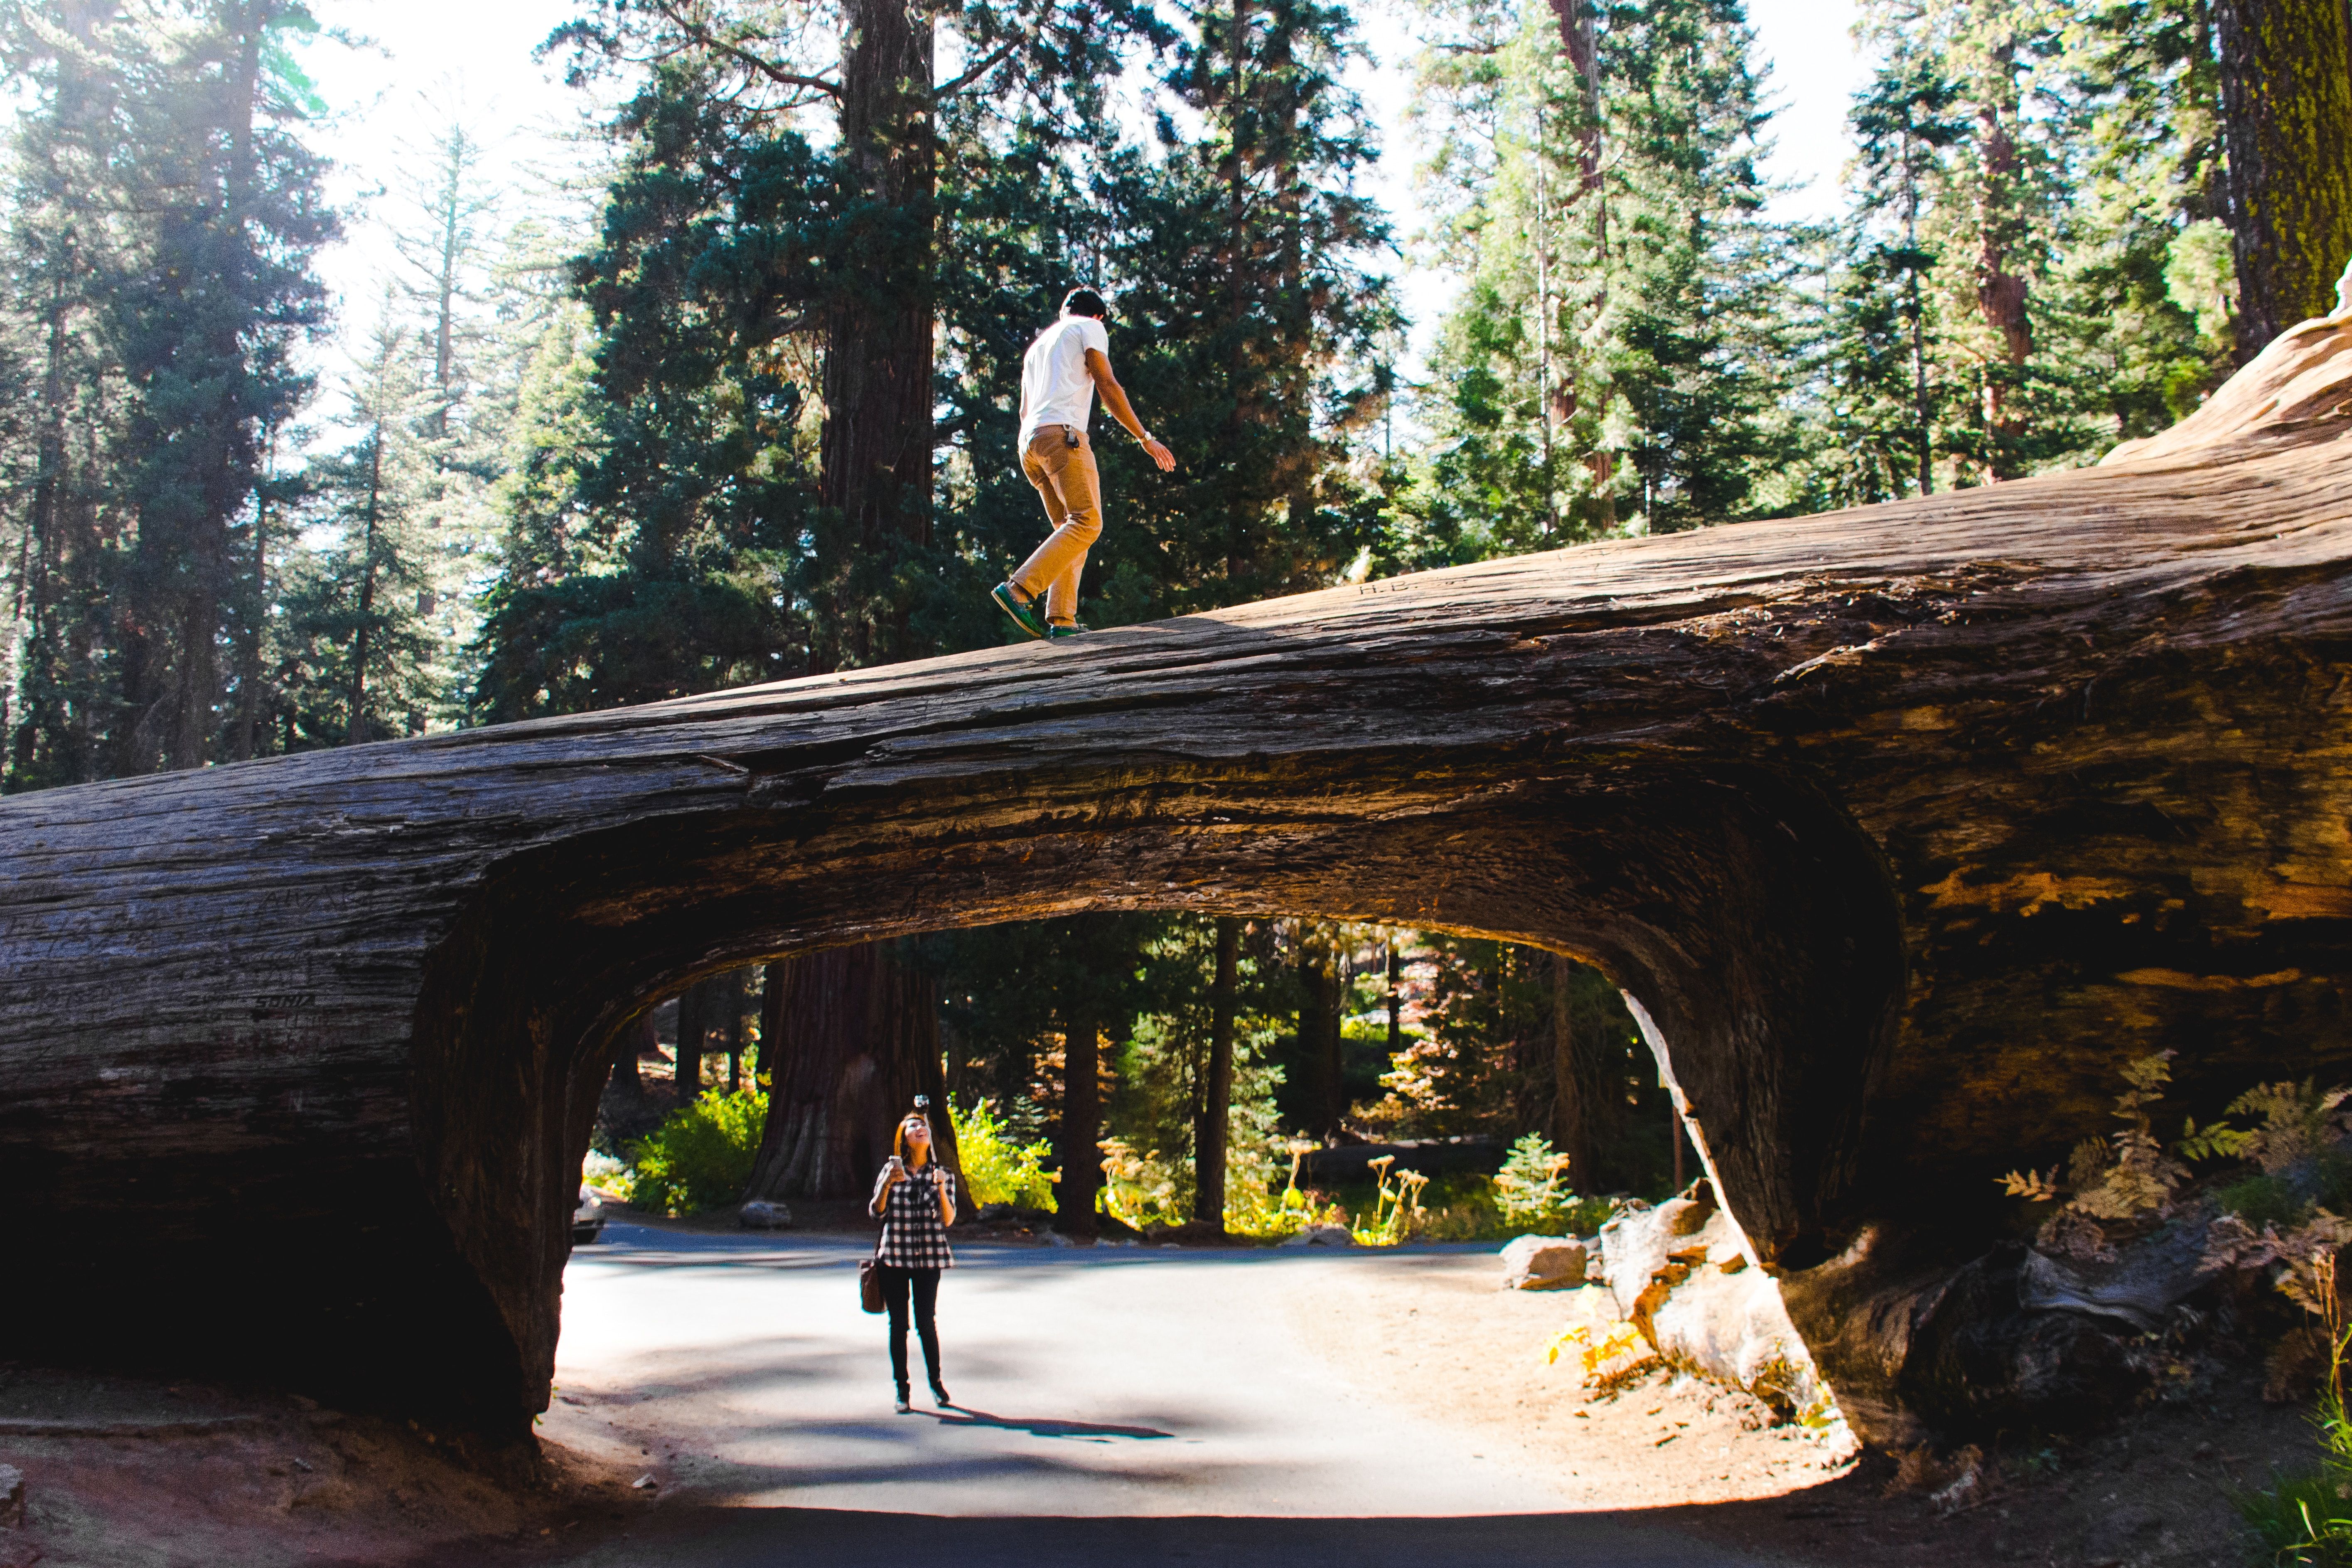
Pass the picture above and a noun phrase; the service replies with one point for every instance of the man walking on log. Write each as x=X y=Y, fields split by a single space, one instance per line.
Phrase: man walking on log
x=1059 y=375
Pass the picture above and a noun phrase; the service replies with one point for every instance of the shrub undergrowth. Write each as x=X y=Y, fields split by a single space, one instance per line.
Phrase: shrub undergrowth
x=2306 y=1520
x=998 y=1168
x=699 y=1157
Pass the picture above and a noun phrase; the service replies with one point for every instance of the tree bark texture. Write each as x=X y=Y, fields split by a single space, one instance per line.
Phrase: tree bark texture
x=854 y=1038
x=1905 y=825
x=2286 y=111
x=875 y=452
x=693 y=1030
x=1568 y=1131
x=1080 y=1150
x=1212 y=1137
x=1315 y=1055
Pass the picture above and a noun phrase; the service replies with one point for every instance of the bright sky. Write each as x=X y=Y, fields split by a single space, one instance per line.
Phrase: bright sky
x=431 y=55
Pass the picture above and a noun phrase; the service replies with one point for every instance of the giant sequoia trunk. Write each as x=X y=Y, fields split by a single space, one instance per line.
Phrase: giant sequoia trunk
x=1906 y=826
x=849 y=1035
x=2286 y=107
x=877 y=447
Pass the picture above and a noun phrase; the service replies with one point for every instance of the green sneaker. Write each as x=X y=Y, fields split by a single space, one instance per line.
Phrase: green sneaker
x=1024 y=612
x=1066 y=629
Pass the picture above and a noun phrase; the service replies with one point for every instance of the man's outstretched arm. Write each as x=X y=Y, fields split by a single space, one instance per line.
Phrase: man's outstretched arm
x=1114 y=398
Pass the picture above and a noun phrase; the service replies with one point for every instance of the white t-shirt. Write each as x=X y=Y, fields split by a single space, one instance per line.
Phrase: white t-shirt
x=1054 y=386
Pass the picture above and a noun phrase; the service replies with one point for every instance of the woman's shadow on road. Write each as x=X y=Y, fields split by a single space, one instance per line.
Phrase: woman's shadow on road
x=1040 y=1427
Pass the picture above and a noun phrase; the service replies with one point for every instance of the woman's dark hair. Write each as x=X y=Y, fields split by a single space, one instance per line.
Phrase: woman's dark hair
x=1084 y=302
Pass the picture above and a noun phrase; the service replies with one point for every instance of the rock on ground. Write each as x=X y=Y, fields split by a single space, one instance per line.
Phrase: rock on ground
x=1684 y=1275
x=1321 y=1236
x=1544 y=1263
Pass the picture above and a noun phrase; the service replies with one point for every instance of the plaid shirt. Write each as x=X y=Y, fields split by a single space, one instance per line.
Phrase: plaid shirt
x=912 y=1235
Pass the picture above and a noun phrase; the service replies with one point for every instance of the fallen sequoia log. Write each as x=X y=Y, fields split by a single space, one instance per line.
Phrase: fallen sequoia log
x=1907 y=826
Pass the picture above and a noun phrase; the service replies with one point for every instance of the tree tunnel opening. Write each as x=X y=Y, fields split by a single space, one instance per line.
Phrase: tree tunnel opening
x=1260 y=1053
x=1753 y=922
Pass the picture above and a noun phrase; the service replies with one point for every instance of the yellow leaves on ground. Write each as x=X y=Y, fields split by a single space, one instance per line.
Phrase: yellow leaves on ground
x=1607 y=1352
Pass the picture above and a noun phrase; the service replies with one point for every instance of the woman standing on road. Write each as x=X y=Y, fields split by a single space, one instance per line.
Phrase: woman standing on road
x=916 y=1199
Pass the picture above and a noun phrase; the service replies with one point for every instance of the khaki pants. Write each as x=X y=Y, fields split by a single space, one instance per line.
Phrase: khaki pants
x=1065 y=480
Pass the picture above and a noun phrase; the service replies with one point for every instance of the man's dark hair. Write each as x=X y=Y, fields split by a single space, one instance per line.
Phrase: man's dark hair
x=1084 y=302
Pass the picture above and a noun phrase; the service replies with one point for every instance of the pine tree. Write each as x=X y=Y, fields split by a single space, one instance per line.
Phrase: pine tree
x=678 y=565
x=167 y=213
x=1891 y=392
x=360 y=651
x=1621 y=343
x=64 y=398
x=2151 y=281
x=207 y=308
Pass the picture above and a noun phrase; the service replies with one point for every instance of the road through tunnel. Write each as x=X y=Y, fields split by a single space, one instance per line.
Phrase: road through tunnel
x=1754 y=923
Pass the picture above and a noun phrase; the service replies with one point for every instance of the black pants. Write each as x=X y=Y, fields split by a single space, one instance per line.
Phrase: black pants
x=925 y=1286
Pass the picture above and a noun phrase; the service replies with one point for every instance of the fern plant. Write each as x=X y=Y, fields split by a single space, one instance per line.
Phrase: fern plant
x=2125 y=1175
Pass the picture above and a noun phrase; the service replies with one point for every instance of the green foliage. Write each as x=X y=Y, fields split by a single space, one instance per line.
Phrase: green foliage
x=661 y=503
x=2293 y=1148
x=2263 y=1200
x=1619 y=348
x=160 y=304
x=998 y=1167
x=1531 y=1190
x=2306 y=1518
x=1143 y=1189
x=700 y=1157
x=1532 y=1194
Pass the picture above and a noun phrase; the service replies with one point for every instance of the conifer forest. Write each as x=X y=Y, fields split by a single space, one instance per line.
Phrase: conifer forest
x=735 y=401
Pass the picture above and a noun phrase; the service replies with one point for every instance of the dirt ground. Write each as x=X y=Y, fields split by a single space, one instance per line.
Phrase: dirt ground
x=2152 y=1493
x=125 y=1473
x=1435 y=1336
x=121 y=1473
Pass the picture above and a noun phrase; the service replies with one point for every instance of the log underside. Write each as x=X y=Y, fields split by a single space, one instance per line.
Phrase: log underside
x=1908 y=826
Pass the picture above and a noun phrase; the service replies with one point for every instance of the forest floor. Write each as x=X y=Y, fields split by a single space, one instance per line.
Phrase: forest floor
x=1296 y=1407
x=1432 y=1335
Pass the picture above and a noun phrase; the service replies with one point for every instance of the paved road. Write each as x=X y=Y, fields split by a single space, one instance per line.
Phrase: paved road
x=1114 y=1405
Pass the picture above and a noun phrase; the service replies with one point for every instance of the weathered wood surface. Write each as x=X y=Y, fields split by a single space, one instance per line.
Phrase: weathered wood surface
x=1907 y=825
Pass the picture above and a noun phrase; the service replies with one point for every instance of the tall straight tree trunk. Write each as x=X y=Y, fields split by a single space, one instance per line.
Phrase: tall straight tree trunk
x=693 y=1029
x=1567 y=1119
x=1395 y=997
x=854 y=1038
x=248 y=677
x=35 y=578
x=1212 y=1137
x=1238 y=269
x=732 y=994
x=876 y=458
x=225 y=477
x=2286 y=109
x=2001 y=286
x=628 y=1054
x=1081 y=1150
x=356 y=731
x=1575 y=18
x=1920 y=410
x=774 y=980
x=1318 y=1030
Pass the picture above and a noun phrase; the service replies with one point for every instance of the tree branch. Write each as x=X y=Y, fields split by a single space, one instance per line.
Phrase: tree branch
x=978 y=71
x=702 y=36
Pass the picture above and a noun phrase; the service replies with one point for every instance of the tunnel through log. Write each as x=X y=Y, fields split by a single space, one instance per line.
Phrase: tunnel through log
x=1907 y=826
